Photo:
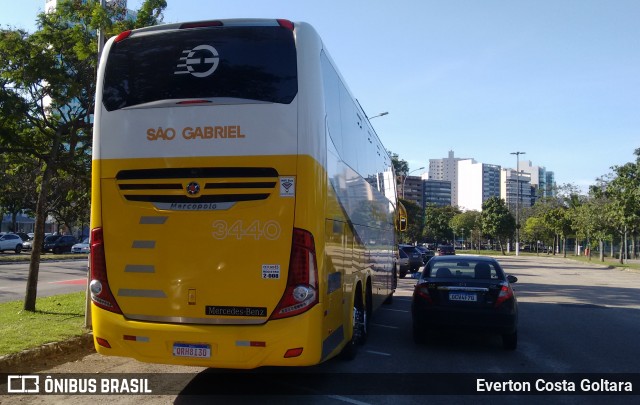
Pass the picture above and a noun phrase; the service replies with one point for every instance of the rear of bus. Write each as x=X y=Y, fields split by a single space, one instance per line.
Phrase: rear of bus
x=195 y=172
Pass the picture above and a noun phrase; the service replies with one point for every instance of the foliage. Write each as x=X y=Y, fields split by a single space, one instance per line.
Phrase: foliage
x=467 y=224
x=438 y=223
x=47 y=90
x=497 y=221
x=415 y=222
x=401 y=167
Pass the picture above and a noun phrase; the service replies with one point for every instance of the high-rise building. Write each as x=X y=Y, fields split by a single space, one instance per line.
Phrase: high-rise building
x=412 y=190
x=510 y=181
x=446 y=169
x=437 y=192
x=544 y=185
x=477 y=182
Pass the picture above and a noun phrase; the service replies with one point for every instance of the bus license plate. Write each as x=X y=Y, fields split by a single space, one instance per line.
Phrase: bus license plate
x=191 y=350
x=463 y=297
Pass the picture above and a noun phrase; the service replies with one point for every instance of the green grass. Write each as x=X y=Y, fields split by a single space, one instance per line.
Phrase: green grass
x=56 y=318
x=595 y=259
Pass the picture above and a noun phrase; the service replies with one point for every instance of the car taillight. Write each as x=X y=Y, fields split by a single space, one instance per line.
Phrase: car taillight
x=286 y=24
x=301 y=292
x=99 y=287
x=505 y=293
x=422 y=291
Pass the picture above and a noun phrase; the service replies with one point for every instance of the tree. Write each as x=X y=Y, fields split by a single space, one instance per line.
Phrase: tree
x=467 y=224
x=47 y=95
x=497 y=221
x=623 y=192
x=437 y=223
x=401 y=167
x=537 y=229
x=415 y=222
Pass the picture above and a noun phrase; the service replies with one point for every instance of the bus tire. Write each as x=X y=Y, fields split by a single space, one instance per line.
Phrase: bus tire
x=350 y=351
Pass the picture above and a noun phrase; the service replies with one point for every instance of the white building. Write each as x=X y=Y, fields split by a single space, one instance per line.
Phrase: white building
x=477 y=182
x=446 y=169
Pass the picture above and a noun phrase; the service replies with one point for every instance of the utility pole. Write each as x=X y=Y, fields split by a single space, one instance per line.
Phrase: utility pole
x=518 y=200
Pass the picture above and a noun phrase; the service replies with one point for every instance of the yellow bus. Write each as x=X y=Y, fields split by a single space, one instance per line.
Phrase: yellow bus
x=244 y=211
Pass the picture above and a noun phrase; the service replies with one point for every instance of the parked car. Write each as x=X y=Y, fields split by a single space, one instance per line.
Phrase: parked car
x=58 y=243
x=27 y=245
x=10 y=241
x=82 y=247
x=426 y=254
x=415 y=258
x=444 y=250
x=23 y=236
x=403 y=263
x=467 y=293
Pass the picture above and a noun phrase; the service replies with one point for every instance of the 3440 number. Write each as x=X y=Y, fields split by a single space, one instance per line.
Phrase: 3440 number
x=269 y=230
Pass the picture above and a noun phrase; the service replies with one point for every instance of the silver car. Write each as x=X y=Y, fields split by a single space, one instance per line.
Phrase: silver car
x=10 y=241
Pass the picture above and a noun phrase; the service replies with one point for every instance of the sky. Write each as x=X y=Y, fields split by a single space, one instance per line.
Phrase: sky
x=556 y=79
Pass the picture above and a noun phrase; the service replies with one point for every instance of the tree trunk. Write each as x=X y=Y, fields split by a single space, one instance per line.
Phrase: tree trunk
x=41 y=217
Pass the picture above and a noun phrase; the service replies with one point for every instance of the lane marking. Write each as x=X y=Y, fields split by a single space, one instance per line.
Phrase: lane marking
x=384 y=326
x=378 y=353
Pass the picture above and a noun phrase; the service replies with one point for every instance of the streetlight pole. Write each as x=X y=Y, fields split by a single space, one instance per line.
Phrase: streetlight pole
x=518 y=200
x=405 y=179
x=379 y=115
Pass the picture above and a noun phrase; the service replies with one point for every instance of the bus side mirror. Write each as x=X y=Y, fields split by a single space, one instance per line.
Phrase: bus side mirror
x=401 y=221
x=402 y=226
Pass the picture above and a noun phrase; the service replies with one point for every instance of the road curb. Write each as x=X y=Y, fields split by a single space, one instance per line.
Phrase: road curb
x=47 y=355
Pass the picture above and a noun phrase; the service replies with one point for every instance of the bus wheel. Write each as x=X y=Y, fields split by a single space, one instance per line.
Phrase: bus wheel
x=359 y=334
x=360 y=324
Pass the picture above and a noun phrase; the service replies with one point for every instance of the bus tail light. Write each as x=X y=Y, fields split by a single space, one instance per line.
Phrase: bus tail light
x=99 y=286
x=301 y=292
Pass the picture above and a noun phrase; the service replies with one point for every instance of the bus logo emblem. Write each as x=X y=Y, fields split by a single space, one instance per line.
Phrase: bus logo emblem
x=193 y=188
x=200 y=61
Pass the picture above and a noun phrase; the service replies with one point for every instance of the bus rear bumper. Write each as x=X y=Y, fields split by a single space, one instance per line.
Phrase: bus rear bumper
x=221 y=346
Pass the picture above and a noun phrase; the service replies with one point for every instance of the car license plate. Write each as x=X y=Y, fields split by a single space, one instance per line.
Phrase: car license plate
x=191 y=350
x=456 y=296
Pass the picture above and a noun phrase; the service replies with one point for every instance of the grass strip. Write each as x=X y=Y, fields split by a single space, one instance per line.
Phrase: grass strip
x=56 y=318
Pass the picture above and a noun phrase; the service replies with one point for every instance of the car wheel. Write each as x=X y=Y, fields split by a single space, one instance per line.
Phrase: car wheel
x=403 y=273
x=510 y=340
x=18 y=249
x=56 y=251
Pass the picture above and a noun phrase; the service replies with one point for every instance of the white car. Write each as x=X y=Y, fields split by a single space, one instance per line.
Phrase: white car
x=10 y=241
x=82 y=247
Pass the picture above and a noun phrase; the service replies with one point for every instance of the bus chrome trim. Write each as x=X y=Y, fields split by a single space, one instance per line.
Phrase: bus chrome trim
x=195 y=206
x=181 y=319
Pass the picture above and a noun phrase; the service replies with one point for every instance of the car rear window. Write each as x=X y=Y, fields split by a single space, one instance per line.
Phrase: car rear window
x=464 y=269
x=254 y=63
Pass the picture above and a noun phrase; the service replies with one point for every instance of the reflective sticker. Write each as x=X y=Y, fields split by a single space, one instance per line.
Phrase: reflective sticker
x=271 y=271
x=287 y=186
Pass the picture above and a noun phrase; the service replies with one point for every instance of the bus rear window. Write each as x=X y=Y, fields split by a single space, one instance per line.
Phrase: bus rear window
x=250 y=63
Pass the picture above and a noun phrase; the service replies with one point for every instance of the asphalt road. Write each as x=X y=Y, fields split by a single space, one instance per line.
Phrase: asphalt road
x=54 y=277
x=574 y=318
